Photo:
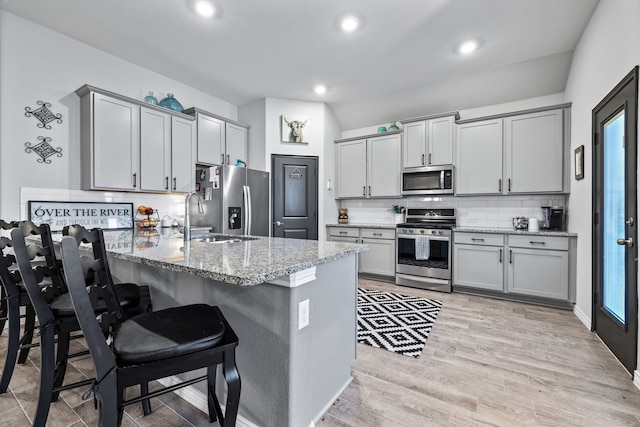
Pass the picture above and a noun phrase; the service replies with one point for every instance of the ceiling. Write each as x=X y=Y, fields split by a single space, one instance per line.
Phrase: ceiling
x=402 y=62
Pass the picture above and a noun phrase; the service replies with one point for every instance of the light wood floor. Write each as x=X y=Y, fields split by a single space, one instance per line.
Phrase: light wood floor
x=487 y=363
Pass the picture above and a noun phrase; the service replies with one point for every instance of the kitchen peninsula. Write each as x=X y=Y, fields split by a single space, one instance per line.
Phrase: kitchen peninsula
x=290 y=373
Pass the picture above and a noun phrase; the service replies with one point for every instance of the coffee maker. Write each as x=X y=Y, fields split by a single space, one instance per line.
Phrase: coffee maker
x=553 y=218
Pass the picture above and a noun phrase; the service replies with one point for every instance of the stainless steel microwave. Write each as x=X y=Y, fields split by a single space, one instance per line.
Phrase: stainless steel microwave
x=427 y=180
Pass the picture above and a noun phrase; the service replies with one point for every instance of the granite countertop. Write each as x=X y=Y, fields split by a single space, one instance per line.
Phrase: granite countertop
x=354 y=225
x=513 y=231
x=244 y=263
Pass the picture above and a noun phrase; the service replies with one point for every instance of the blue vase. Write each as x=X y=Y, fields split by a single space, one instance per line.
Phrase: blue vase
x=150 y=99
x=171 y=103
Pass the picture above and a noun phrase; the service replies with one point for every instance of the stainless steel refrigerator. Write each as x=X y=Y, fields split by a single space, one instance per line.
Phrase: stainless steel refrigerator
x=235 y=200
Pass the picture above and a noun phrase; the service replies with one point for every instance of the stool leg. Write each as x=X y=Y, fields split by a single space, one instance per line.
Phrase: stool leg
x=146 y=404
x=212 y=398
x=47 y=371
x=4 y=311
x=13 y=344
x=27 y=337
x=110 y=401
x=61 y=362
x=232 y=377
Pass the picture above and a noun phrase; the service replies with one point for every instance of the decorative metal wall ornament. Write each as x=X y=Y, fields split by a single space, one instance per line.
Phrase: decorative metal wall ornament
x=43 y=115
x=43 y=149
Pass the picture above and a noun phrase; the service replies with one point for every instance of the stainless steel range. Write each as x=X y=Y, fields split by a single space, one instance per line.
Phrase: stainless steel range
x=423 y=246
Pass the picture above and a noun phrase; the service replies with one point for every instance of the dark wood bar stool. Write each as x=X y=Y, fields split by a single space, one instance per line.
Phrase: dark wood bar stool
x=151 y=345
x=52 y=304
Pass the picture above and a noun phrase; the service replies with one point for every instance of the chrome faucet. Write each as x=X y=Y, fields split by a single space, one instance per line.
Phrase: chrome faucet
x=187 y=213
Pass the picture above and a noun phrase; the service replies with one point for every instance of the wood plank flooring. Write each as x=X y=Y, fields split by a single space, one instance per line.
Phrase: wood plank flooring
x=487 y=363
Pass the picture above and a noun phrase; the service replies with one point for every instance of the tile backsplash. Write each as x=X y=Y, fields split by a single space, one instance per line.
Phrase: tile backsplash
x=476 y=211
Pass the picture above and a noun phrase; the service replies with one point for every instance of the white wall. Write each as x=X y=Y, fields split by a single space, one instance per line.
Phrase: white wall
x=607 y=51
x=37 y=64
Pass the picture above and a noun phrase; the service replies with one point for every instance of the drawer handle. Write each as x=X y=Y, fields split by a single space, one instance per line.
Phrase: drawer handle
x=500 y=260
x=343 y=232
x=537 y=243
x=473 y=239
x=377 y=234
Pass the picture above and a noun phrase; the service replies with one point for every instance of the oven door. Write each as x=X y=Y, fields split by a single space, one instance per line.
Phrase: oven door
x=437 y=266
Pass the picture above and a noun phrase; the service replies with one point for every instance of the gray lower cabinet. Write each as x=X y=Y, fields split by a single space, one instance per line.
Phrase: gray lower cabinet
x=530 y=266
x=380 y=259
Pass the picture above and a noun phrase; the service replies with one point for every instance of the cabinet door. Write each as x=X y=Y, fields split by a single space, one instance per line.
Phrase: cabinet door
x=384 y=165
x=380 y=258
x=539 y=273
x=414 y=145
x=535 y=152
x=155 y=150
x=211 y=139
x=480 y=267
x=351 y=169
x=183 y=142
x=116 y=143
x=440 y=139
x=479 y=158
x=236 y=143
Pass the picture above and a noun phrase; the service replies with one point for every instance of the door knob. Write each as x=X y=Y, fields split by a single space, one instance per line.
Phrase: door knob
x=279 y=224
x=628 y=242
x=630 y=221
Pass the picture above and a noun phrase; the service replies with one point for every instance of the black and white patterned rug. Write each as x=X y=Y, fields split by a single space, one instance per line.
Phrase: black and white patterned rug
x=395 y=322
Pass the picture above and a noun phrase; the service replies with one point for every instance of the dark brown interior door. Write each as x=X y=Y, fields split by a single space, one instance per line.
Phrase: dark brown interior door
x=295 y=197
x=615 y=259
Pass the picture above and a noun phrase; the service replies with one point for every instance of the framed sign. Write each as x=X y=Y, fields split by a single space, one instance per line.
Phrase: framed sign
x=579 y=160
x=108 y=216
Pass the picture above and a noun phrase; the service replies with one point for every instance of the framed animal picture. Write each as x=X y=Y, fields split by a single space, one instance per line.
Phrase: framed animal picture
x=294 y=128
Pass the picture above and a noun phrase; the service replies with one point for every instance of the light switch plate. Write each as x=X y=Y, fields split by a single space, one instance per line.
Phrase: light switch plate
x=303 y=314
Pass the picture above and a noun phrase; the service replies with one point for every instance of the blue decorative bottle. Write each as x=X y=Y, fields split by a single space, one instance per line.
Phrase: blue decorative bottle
x=171 y=103
x=150 y=99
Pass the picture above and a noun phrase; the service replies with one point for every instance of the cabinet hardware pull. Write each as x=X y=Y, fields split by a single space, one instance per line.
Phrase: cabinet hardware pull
x=509 y=184
x=227 y=159
x=537 y=243
x=377 y=234
x=510 y=256
x=364 y=190
x=477 y=240
x=369 y=190
x=429 y=158
x=500 y=185
x=500 y=260
x=222 y=158
x=166 y=183
x=135 y=181
x=343 y=232
x=423 y=160
x=175 y=185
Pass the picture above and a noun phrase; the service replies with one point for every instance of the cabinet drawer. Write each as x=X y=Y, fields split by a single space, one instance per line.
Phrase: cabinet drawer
x=485 y=239
x=539 y=242
x=378 y=233
x=344 y=232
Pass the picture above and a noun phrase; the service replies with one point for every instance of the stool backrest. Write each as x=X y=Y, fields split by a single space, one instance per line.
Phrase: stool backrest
x=9 y=277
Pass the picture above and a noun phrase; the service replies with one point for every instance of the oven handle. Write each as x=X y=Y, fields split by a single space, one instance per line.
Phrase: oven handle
x=413 y=237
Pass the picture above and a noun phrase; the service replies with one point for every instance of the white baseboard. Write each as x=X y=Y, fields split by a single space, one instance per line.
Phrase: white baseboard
x=328 y=405
x=582 y=316
x=199 y=399
x=636 y=379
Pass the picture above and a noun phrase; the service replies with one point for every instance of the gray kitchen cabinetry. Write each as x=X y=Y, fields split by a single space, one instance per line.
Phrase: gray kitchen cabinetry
x=368 y=167
x=428 y=141
x=128 y=145
x=380 y=259
x=527 y=267
x=479 y=261
x=219 y=141
x=519 y=153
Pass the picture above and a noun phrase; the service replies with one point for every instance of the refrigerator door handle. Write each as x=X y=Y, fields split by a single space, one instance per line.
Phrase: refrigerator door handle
x=249 y=211
x=246 y=193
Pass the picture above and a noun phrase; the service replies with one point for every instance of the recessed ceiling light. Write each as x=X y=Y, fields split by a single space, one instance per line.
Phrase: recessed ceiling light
x=468 y=47
x=349 y=24
x=204 y=8
x=320 y=89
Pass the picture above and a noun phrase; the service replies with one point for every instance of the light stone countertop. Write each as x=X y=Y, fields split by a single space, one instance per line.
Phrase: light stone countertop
x=244 y=263
x=552 y=233
x=354 y=225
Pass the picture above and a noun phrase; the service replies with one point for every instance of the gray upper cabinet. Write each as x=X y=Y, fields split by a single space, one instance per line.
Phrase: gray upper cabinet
x=128 y=145
x=534 y=152
x=428 y=142
x=515 y=154
x=110 y=148
x=369 y=167
x=479 y=158
x=219 y=141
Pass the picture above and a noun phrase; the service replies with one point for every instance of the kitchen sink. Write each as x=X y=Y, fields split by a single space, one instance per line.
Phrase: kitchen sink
x=216 y=238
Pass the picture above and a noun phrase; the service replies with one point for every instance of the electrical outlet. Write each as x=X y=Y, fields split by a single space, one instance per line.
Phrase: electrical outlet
x=303 y=314
x=473 y=220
